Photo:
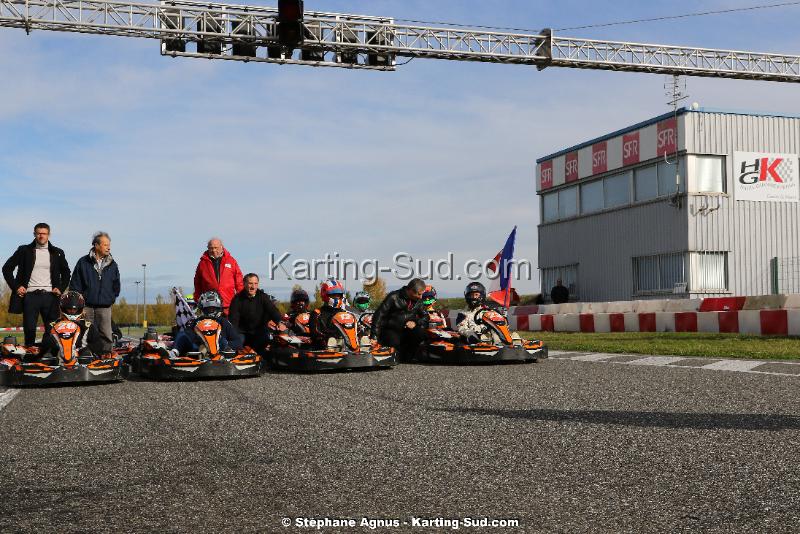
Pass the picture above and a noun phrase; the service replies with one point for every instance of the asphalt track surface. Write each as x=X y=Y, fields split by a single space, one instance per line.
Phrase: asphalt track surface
x=560 y=446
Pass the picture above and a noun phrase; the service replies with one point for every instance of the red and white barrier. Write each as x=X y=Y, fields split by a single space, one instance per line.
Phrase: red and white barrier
x=768 y=315
x=19 y=329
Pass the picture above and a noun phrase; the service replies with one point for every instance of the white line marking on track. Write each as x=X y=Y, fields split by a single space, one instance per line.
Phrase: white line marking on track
x=593 y=357
x=732 y=365
x=7 y=396
x=741 y=366
x=656 y=360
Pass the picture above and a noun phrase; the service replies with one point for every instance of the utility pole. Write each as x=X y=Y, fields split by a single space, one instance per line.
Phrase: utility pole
x=137 y=301
x=144 y=294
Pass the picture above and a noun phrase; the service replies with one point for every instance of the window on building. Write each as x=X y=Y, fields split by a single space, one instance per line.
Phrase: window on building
x=659 y=273
x=568 y=202
x=617 y=190
x=666 y=176
x=708 y=271
x=568 y=275
x=550 y=207
x=709 y=173
x=646 y=183
x=592 y=197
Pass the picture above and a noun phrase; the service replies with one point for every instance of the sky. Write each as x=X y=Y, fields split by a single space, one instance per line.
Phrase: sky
x=103 y=133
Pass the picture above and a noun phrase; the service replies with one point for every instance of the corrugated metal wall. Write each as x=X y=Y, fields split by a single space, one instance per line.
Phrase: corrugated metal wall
x=751 y=232
x=604 y=244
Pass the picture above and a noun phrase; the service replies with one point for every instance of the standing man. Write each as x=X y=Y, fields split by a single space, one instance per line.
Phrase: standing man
x=42 y=275
x=250 y=312
x=218 y=271
x=96 y=277
x=559 y=294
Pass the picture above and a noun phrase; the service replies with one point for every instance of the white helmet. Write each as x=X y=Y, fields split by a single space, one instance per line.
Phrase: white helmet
x=210 y=304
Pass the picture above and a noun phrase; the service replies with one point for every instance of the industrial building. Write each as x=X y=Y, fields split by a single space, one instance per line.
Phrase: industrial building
x=693 y=203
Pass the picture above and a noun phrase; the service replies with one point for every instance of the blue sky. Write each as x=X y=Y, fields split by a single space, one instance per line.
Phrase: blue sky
x=162 y=153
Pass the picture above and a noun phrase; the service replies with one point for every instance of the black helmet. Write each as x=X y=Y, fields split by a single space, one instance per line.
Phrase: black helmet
x=71 y=305
x=299 y=300
x=474 y=287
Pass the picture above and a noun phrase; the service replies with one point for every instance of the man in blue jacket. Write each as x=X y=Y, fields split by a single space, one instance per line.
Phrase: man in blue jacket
x=96 y=277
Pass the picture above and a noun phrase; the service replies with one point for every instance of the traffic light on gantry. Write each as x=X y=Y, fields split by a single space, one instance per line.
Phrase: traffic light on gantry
x=290 y=23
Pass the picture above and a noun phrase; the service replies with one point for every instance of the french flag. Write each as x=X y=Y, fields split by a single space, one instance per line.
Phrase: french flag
x=501 y=291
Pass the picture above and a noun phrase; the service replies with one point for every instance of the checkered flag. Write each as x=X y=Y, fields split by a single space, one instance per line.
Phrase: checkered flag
x=183 y=312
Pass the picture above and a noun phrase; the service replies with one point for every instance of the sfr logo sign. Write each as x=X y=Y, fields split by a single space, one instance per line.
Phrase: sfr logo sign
x=571 y=167
x=599 y=157
x=667 y=141
x=630 y=149
x=546 y=171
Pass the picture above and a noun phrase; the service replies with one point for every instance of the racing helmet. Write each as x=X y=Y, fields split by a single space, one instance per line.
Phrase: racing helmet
x=299 y=300
x=190 y=300
x=71 y=305
x=474 y=287
x=332 y=293
x=361 y=300
x=429 y=297
x=210 y=304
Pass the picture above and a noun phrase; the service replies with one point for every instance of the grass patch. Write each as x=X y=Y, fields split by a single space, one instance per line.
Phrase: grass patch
x=138 y=332
x=674 y=344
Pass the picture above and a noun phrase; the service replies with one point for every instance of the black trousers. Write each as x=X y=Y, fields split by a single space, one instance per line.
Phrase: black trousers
x=257 y=341
x=34 y=304
x=406 y=341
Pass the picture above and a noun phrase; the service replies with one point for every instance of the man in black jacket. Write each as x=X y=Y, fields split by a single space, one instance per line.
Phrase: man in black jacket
x=559 y=294
x=42 y=275
x=251 y=310
x=96 y=277
x=401 y=319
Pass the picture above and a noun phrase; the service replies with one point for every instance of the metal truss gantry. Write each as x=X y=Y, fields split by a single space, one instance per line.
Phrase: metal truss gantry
x=249 y=33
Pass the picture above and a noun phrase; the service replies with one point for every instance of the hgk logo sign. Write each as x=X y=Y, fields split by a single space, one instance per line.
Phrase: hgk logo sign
x=630 y=149
x=763 y=177
x=761 y=170
x=599 y=157
x=571 y=167
x=667 y=140
x=546 y=171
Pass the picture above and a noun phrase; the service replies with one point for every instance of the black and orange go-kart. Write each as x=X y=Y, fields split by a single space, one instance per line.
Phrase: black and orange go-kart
x=154 y=358
x=498 y=344
x=344 y=351
x=24 y=366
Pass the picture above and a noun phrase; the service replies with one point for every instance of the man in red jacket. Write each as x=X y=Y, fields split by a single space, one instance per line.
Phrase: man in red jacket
x=218 y=271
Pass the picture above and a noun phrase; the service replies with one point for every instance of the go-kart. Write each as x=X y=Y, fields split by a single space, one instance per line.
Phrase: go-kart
x=497 y=344
x=155 y=359
x=25 y=366
x=344 y=351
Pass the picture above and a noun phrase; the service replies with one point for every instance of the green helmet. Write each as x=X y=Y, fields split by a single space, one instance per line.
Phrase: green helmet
x=361 y=300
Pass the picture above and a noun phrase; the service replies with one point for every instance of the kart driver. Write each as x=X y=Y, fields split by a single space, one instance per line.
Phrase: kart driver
x=71 y=306
x=298 y=304
x=361 y=310
x=210 y=306
x=435 y=318
x=333 y=302
x=466 y=323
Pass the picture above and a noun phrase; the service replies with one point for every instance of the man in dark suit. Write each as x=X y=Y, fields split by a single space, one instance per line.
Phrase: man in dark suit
x=42 y=275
